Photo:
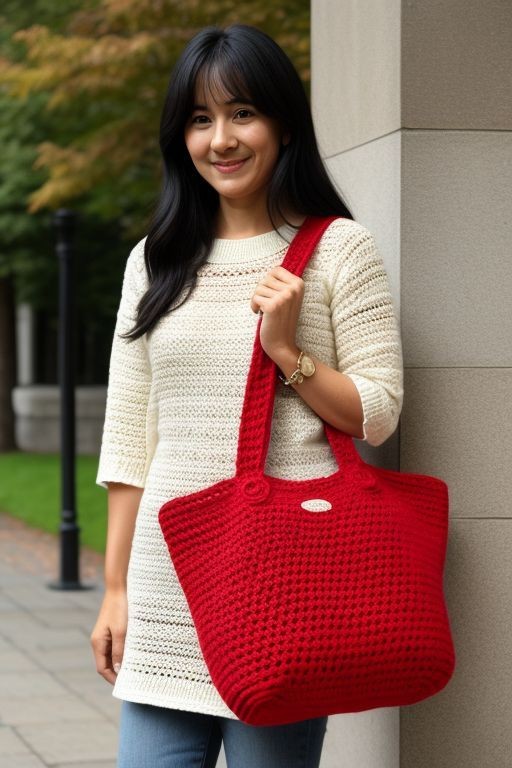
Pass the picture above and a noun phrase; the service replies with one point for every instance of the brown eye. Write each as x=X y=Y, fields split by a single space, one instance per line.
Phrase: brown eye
x=248 y=113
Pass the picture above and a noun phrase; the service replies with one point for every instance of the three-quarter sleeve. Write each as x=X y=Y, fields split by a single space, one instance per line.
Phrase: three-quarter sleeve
x=367 y=334
x=123 y=451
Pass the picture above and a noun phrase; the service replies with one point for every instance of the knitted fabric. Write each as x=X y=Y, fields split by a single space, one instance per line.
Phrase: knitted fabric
x=316 y=611
x=173 y=410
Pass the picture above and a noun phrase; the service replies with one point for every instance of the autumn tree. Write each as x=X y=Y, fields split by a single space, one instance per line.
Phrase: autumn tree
x=107 y=74
x=23 y=125
x=81 y=91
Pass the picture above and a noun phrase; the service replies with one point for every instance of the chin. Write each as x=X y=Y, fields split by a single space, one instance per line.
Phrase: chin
x=240 y=191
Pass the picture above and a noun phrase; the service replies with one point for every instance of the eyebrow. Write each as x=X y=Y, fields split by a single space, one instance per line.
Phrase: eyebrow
x=236 y=100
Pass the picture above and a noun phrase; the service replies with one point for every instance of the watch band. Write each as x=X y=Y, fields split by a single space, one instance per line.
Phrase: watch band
x=297 y=376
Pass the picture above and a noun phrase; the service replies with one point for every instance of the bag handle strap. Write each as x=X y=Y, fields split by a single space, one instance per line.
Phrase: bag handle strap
x=258 y=406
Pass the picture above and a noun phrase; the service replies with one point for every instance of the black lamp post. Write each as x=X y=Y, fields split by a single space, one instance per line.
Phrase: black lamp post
x=64 y=221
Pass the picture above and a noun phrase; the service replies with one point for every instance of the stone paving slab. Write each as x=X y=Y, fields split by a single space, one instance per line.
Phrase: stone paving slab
x=79 y=618
x=55 y=710
x=109 y=764
x=89 y=600
x=15 y=661
x=11 y=744
x=82 y=680
x=9 y=576
x=26 y=632
x=45 y=709
x=87 y=740
x=36 y=595
x=24 y=685
x=25 y=761
x=78 y=657
x=94 y=690
x=4 y=644
x=5 y=603
x=20 y=625
x=109 y=706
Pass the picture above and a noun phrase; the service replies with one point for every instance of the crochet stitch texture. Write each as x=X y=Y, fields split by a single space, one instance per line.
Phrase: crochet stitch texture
x=173 y=409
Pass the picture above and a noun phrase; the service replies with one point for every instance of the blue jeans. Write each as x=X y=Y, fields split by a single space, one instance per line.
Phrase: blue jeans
x=158 y=737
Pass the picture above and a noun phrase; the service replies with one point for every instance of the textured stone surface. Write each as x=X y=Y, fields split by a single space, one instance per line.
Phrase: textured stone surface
x=44 y=648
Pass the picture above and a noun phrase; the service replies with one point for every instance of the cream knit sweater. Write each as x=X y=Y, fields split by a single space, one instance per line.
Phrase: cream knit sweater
x=173 y=408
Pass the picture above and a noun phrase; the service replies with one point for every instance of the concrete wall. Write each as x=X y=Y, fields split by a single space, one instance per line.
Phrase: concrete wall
x=36 y=407
x=412 y=104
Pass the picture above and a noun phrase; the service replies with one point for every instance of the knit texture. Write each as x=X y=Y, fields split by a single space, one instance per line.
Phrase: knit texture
x=316 y=612
x=173 y=411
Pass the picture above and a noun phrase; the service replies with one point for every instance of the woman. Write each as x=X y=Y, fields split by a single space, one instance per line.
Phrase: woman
x=241 y=172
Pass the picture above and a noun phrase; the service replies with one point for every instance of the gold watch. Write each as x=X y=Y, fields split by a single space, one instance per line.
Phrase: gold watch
x=305 y=367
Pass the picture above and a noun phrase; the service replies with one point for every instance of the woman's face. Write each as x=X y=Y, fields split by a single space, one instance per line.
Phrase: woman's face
x=232 y=145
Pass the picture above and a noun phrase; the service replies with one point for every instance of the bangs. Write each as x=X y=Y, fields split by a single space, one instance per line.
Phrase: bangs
x=223 y=78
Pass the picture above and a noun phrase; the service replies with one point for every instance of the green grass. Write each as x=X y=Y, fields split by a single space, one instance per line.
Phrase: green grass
x=30 y=489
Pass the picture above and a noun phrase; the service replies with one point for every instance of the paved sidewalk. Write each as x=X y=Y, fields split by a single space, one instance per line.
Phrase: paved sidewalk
x=55 y=710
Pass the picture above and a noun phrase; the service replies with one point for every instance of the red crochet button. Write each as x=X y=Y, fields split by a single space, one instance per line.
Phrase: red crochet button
x=256 y=488
x=367 y=479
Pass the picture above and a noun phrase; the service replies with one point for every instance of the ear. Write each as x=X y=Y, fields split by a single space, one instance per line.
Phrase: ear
x=285 y=139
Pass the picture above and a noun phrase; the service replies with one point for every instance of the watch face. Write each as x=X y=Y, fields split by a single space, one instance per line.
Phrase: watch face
x=307 y=366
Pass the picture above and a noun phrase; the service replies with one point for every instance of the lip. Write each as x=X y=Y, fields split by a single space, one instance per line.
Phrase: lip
x=231 y=166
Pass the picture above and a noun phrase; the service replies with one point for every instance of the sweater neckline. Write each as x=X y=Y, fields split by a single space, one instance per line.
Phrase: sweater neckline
x=232 y=251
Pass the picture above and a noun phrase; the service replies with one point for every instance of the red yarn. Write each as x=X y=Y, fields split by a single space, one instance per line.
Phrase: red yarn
x=301 y=613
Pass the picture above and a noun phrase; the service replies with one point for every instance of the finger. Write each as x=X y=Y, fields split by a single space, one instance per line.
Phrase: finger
x=294 y=284
x=117 y=651
x=105 y=670
x=103 y=658
x=282 y=273
x=274 y=280
x=262 y=309
x=266 y=292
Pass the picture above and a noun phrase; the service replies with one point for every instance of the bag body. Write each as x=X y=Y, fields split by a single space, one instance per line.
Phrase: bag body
x=320 y=596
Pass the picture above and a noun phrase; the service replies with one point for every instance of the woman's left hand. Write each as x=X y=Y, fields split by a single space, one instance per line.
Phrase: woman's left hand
x=279 y=296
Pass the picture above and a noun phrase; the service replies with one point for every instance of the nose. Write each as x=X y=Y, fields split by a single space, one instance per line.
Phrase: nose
x=223 y=137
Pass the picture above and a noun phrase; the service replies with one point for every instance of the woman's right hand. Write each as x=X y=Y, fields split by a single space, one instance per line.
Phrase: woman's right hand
x=108 y=635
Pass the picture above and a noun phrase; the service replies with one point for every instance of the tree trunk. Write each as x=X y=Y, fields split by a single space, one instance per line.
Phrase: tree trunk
x=7 y=362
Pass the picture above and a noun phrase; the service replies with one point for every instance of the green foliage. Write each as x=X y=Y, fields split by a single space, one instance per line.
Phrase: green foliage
x=105 y=76
x=82 y=85
x=24 y=124
x=27 y=239
x=30 y=491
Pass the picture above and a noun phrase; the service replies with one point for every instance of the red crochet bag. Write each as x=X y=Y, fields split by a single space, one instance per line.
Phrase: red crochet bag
x=302 y=613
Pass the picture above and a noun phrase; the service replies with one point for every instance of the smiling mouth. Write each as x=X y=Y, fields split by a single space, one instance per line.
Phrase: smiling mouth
x=231 y=166
x=228 y=163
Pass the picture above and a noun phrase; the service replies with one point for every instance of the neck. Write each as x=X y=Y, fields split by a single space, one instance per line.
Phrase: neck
x=238 y=219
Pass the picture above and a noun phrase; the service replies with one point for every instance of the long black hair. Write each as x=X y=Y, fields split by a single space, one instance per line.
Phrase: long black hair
x=249 y=65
